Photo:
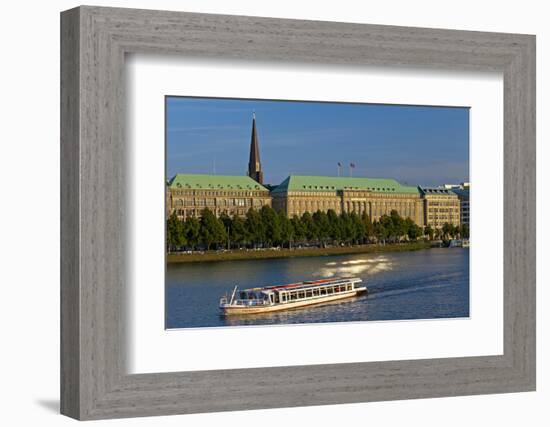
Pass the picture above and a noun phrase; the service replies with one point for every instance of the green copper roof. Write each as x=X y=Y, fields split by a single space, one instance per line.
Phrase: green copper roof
x=214 y=182
x=332 y=183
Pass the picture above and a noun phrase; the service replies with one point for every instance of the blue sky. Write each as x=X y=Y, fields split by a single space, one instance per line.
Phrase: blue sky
x=415 y=145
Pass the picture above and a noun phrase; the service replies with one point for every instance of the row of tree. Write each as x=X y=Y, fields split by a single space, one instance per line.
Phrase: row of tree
x=268 y=228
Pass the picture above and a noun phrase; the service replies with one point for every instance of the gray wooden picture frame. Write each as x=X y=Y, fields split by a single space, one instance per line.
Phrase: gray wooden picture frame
x=94 y=41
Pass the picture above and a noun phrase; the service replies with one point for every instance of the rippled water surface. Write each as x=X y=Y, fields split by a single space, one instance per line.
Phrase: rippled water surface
x=426 y=284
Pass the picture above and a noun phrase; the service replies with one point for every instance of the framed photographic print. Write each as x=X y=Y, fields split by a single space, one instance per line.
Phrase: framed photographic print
x=262 y=213
x=305 y=243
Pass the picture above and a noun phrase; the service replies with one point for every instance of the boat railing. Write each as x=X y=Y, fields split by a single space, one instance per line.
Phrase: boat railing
x=244 y=302
x=251 y=302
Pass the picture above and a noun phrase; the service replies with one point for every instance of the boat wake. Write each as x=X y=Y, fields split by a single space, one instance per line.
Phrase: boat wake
x=366 y=266
x=440 y=281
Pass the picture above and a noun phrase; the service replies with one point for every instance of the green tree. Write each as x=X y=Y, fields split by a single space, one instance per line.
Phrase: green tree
x=169 y=234
x=175 y=232
x=255 y=227
x=357 y=228
x=399 y=226
x=380 y=230
x=309 y=226
x=298 y=228
x=335 y=226
x=388 y=228
x=192 y=231
x=170 y=231
x=346 y=227
x=413 y=230
x=429 y=231
x=448 y=230
x=367 y=225
x=227 y=226
x=212 y=230
x=322 y=226
x=238 y=233
x=271 y=225
x=287 y=230
x=226 y=221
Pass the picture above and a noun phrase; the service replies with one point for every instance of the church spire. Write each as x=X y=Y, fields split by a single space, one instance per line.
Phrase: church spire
x=254 y=165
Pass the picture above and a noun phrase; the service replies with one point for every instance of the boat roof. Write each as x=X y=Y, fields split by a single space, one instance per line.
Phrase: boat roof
x=306 y=284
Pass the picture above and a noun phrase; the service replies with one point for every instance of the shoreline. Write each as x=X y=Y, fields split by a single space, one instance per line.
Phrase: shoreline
x=245 y=255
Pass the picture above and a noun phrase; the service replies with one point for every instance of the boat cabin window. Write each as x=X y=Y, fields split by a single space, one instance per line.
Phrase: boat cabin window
x=254 y=295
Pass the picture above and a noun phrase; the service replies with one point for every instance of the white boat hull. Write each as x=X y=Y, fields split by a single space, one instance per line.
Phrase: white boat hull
x=229 y=310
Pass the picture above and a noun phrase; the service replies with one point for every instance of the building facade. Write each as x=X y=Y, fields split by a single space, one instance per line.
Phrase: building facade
x=464 y=198
x=440 y=206
x=462 y=190
x=375 y=197
x=189 y=194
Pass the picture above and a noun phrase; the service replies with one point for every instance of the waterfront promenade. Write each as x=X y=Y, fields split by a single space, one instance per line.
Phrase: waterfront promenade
x=274 y=253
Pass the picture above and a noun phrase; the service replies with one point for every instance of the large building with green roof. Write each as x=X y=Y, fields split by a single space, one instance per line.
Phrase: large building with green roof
x=374 y=196
x=189 y=194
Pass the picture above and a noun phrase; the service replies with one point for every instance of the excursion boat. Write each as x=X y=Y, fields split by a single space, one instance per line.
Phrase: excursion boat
x=293 y=295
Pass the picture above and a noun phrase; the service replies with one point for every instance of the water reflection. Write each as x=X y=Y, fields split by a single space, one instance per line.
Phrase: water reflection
x=356 y=267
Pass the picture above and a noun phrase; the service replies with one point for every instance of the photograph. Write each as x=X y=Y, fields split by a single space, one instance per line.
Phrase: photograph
x=298 y=212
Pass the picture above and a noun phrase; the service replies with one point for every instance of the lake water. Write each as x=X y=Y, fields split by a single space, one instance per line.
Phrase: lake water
x=425 y=284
